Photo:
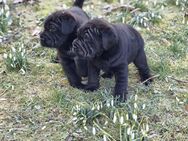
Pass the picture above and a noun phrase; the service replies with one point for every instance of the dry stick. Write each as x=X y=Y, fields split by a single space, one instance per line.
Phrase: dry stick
x=181 y=81
x=135 y=10
x=155 y=76
x=126 y=7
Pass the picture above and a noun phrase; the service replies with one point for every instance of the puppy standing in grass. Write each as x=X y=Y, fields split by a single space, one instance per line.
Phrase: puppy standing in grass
x=111 y=47
x=60 y=29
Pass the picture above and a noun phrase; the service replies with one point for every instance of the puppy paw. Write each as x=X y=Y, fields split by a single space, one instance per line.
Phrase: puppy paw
x=147 y=81
x=91 y=87
x=78 y=86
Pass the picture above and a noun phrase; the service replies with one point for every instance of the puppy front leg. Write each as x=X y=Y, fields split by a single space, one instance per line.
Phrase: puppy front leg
x=93 y=77
x=70 y=71
x=121 y=80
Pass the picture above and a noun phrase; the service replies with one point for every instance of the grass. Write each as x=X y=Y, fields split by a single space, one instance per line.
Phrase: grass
x=37 y=105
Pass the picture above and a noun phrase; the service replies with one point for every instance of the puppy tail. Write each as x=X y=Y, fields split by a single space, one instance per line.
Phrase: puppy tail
x=78 y=3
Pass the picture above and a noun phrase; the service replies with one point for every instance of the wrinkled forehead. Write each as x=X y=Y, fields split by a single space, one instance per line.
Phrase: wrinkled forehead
x=91 y=30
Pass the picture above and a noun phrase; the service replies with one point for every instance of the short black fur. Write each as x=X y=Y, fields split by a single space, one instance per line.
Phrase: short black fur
x=111 y=47
x=60 y=30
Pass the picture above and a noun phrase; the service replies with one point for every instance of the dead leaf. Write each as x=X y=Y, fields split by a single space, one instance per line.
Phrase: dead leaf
x=186 y=107
x=26 y=1
x=36 y=31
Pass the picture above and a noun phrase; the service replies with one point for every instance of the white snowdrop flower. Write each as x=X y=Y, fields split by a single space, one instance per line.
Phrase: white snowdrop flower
x=4 y=1
x=143 y=106
x=77 y=107
x=106 y=122
x=23 y=51
x=121 y=120
x=101 y=105
x=107 y=104
x=177 y=99
x=20 y=49
x=93 y=107
x=115 y=118
x=13 y=49
x=159 y=17
x=145 y=24
x=10 y=56
x=14 y=58
x=112 y=102
x=74 y=118
x=162 y=7
x=1 y=11
x=183 y=8
x=64 y=6
x=181 y=102
x=104 y=138
x=141 y=21
x=85 y=128
x=12 y=65
x=128 y=131
x=183 y=21
x=6 y=8
x=74 y=113
x=94 y=131
x=127 y=116
x=136 y=97
x=152 y=15
x=22 y=54
x=135 y=117
x=147 y=127
x=98 y=107
x=155 y=2
x=177 y=2
x=147 y=2
x=135 y=106
x=5 y=55
x=132 y=136
x=44 y=127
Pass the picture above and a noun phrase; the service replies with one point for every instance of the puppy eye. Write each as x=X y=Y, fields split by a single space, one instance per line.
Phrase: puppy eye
x=52 y=28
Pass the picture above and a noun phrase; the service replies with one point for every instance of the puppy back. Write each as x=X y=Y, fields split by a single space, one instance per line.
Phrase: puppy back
x=78 y=3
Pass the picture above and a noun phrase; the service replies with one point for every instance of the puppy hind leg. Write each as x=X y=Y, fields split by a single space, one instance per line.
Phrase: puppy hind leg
x=143 y=68
x=121 y=79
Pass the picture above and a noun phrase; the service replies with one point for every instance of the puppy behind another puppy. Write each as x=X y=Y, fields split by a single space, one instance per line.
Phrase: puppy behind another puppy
x=111 y=47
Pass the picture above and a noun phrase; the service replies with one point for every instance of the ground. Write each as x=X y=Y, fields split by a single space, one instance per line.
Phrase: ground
x=37 y=105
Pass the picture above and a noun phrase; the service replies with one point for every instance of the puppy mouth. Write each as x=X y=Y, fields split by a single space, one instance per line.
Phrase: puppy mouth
x=48 y=41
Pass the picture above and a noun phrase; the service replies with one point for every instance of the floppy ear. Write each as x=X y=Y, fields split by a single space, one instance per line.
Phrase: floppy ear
x=68 y=24
x=109 y=38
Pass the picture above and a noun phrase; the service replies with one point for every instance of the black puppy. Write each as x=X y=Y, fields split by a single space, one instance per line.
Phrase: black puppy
x=60 y=29
x=111 y=47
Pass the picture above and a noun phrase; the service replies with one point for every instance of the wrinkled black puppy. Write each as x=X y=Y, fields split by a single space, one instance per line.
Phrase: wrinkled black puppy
x=111 y=47
x=60 y=29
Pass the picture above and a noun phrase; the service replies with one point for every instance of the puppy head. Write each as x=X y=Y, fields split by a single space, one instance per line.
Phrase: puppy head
x=58 y=27
x=93 y=38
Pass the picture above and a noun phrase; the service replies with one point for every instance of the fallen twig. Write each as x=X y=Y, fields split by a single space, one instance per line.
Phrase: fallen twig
x=122 y=7
x=155 y=76
x=181 y=81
